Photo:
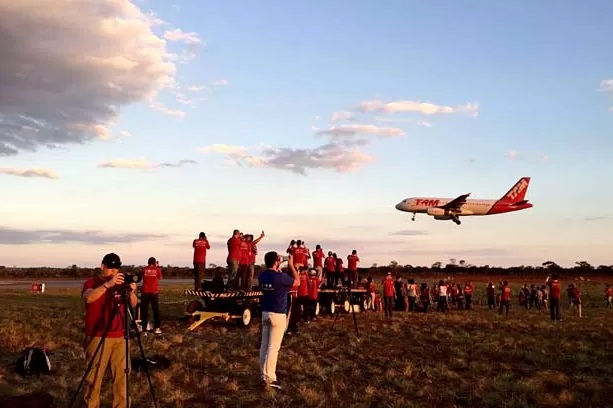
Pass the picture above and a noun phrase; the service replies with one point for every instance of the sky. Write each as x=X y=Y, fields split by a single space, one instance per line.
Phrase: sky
x=131 y=126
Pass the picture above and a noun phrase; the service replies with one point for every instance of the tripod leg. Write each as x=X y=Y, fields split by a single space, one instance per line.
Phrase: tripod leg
x=93 y=358
x=355 y=320
x=142 y=354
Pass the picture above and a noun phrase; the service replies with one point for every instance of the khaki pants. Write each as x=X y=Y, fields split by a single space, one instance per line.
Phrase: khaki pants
x=112 y=354
x=273 y=329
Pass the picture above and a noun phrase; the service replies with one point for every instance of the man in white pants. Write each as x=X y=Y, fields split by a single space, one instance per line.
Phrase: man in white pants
x=274 y=285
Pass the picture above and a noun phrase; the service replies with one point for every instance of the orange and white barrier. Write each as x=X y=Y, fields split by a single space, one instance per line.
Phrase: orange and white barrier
x=38 y=288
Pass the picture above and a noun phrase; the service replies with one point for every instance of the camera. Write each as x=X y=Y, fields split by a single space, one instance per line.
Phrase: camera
x=129 y=278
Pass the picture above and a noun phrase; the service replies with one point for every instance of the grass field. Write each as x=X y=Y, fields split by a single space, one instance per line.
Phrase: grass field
x=463 y=358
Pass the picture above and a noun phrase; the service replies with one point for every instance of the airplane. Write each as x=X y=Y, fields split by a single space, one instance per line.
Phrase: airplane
x=462 y=206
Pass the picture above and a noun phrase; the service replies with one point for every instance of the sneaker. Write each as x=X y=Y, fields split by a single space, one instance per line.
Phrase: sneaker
x=158 y=331
x=275 y=384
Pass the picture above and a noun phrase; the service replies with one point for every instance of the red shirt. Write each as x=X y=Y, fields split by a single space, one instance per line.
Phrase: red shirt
x=555 y=289
x=352 y=262
x=608 y=291
x=301 y=255
x=371 y=288
x=388 y=287
x=303 y=289
x=468 y=290
x=318 y=258
x=151 y=278
x=339 y=265
x=234 y=248
x=98 y=313
x=200 y=246
x=245 y=248
x=506 y=293
x=313 y=284
x=330 y=264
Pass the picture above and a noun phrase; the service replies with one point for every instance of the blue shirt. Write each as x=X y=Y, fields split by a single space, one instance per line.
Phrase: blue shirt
x=274 y=286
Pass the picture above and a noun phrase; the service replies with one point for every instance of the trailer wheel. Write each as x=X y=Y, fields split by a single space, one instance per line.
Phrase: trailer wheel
x=245 y=318
x=347 y=306
x=332 y=307
x=317 y=309
x=194 y=306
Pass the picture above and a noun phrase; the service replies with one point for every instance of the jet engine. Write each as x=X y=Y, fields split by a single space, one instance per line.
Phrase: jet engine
x=436 y=212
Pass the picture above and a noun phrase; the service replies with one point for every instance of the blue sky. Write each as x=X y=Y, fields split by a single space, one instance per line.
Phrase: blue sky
x=528 y=81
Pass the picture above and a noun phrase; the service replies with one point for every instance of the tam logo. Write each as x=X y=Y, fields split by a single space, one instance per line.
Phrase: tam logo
x=518 y=189
x=427 y=203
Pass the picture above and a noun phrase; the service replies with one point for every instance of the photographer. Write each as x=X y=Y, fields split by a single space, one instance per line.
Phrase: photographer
x=200 y=245
x=274 y=285
x=149 y=295
x=101 y=295
x=555 y=292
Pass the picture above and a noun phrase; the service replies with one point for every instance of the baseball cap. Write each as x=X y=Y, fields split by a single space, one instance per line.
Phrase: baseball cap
x=111 y=261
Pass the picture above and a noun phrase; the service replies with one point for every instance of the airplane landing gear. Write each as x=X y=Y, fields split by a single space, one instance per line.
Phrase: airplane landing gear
x=456 y=220
x=413 y=218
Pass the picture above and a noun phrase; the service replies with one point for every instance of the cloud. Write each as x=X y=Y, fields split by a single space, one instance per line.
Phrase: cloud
x=606 y=85
x=56 y=88
x=125 y=133
x=340 y=116
x=15 y=236
x=356 y=130
x=410 y=233
x=180 y=35
x=142 y=164
x=219 y=82
x=423 y=123
x=29 y=173
x=598 y=218
x=339 y=157
x=425 y=108
x=196 y=88
x=533 y=157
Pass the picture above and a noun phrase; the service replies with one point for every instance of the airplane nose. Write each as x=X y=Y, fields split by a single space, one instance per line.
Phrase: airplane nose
x=399 y=206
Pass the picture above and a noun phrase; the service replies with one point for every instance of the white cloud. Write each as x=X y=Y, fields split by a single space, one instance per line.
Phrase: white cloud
x=425 y=108
x=142 y=164
x=606 y=85
x=196 y=88
x=356 y=130
x=167 y=111
x=340 y=116
x=125 y=133
x=385 y=119
x=340 y=158
x=29 y=173
x=534 y=157
x=73 y=68
x=219 y=82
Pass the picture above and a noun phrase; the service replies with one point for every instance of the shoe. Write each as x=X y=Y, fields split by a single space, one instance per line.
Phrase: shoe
x=275 y=384
x=158 y=331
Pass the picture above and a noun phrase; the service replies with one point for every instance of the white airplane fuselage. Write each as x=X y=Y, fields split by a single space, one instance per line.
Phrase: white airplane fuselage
x=421 y=205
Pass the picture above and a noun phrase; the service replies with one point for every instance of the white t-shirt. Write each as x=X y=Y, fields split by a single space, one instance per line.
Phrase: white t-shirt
x=442 y=290
x=412 y=292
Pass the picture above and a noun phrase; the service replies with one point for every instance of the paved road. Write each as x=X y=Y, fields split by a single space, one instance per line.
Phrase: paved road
x=77 y=283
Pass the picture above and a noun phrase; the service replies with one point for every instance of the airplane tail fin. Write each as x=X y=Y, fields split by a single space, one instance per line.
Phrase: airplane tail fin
x=518 y=191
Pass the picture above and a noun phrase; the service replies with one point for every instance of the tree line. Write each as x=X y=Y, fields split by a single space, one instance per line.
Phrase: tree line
x=453 y=267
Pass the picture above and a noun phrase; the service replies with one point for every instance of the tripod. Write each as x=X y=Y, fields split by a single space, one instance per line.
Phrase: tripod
x=127 y=319
x=347 y=292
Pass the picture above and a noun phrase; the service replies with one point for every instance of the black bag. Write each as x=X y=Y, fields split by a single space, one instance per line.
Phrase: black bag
x=155 y=362
x=34 y=360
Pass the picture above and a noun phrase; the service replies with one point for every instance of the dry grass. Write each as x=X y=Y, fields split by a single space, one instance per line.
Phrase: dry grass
x=463 y=358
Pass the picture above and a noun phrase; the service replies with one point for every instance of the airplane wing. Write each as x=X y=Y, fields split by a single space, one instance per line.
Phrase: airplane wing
x=456 y=203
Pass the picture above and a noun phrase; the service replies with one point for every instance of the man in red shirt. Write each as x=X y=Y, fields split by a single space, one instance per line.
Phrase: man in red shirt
x=468 y=292
x=252 y=251
x=149 y=294
x=555 y=292
x=330 y=263
x=608 y=295
x=200 y=245
x=505 y=297
x=389 y=295
x=104 y=310
x=318 y=261
x=352 y=267
x=303 y=293
x=313 y=285
x=339 y=273
x=301 y=255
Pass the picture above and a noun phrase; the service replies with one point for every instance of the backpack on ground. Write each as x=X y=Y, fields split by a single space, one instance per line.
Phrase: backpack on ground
x=34 y=360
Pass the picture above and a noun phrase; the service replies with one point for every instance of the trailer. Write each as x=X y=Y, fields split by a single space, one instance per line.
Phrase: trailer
x=331 y=299
x=236 y=305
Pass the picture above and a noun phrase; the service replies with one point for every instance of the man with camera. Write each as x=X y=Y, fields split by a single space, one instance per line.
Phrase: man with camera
x=104 y=314
x=200 y=245
x=274 y=285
